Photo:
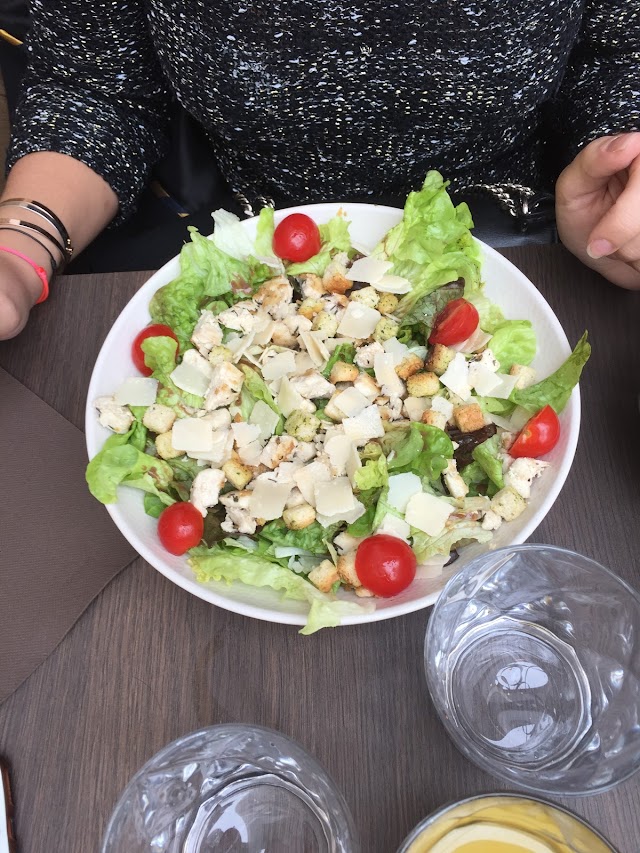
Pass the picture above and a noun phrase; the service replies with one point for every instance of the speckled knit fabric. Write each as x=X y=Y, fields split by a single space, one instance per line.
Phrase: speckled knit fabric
x=315 y=100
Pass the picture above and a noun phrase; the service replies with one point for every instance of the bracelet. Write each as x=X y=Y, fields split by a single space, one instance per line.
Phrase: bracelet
x=48 y=215
x=40 y=271
x=54 y=265
x=31 y=226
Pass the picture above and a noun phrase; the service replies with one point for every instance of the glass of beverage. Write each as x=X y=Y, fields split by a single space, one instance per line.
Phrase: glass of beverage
x=504 y=823
x=532 y=658
x=231 y=788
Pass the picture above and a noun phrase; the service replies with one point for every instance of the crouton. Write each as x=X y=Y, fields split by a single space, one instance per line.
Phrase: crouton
x=324 y=576
x=282 y=336
x=468 y=417
x=311 y=284
x=423 y=384
x=491 y=520
x=409 y=365
x=508 y=504
x=299 y=517
x=433 y=418
x=347 y=569
x=158 y=418
x=387 y=304
x=367 y=296
x=334 y=279
x=343 y=372
x=439 y=358
x=302 y=425
x=165 y=448
x=310 y=307
x=326 y=323
x=237 y=474
x=526 y=375
x=385 y=329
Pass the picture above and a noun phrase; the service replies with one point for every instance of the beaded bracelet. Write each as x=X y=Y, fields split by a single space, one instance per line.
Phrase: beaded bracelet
x=40 y=271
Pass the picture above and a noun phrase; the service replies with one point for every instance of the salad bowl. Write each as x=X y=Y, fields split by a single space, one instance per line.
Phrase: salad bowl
x=504 y=285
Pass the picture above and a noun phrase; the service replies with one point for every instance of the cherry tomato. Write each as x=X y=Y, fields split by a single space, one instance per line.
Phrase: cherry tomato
x=296 y=238
x=385 y=564
x=180 y=527
x=155 y=330
x=457 y=321
x=539 y=435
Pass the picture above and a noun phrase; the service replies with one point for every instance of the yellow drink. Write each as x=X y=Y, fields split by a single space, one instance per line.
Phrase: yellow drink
x=504 y=824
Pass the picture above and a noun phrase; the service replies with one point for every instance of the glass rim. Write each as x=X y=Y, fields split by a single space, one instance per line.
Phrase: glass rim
x=512 y=795
x=463 y=744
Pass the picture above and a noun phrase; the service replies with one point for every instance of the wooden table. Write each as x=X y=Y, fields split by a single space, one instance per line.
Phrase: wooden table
x=148 y=662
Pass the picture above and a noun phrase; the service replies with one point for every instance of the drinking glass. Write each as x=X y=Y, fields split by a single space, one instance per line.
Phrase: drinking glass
x=228 y=789
x=493 y=822
x=532 y=659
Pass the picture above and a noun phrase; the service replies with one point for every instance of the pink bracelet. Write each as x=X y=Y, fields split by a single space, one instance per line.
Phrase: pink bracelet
x=40 y=271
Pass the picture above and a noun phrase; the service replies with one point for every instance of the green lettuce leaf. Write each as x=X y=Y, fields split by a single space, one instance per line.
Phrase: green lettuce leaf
x=363 y=526
x=556 y=389
x=217 y=564
x=432 y=244
x=513 y=342
x=160 y=357
x=425 y=547
x=496 y=405
x=373 y=475
x=313 y=538
x=264 y=232
x=419 y=448
x=343 y=352
x=120 y=463
x=254 y=388
x=417 y=323
x=486 y=455
x=153 y=505
x=334 y=235
x=490 y=315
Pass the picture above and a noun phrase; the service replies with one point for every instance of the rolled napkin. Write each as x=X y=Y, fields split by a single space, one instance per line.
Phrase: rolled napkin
x=58 y=546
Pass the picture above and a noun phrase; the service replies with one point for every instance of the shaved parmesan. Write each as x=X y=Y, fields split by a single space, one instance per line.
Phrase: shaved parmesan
x=396 y=349
x=351 y=401
x=304 y=362
x=338 y=448
x=265 y=418
x=506 y=386
x=308 y=477
x=268 y=499
x=402 y=487
x=394 y=526
x=415 y=407
x=353 y=515
x=393 y=284
x=365 y=426
x=192 y=434
x=335 y=497
x=474 y=342
x=315 y=347
x=250 y=454
x=445 y=407
x=358 y=321
x=428 y=513
x=279 y=365
x=354 y=463
x=368 y=270
x=221 y=449
x=193 y=378
x=484 y=380
x=288 y=398
x=137 y=391
x=384 y=369
x=263 y=330
x=456 y=377
x=245 y=433
x=239 y=345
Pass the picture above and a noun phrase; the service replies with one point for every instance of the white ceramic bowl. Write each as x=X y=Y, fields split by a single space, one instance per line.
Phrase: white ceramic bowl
x=505 y=285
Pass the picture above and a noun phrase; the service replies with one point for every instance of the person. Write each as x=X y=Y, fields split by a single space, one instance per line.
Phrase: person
x=316 y=101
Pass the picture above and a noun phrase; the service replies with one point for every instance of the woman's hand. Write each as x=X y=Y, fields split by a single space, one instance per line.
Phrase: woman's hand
x=598 y=208
x=20 y=287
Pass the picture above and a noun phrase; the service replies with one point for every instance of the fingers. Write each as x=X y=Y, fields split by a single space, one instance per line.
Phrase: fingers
x=619 y=229
x=595 y=165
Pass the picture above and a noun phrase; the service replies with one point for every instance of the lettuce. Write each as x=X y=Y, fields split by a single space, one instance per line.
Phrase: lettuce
x=490 y=315
x=420 y=448
x=513 y=342
x=312 y=539
x=556 y=389
x=373 y=475
x=254 y=388
x=486 y=455
x=343 y=352
x=425 y=547
x=334 y=236
x=418 y=322
x=160 y=357
x=121 y=463
x=235 y=564
x=432 y=244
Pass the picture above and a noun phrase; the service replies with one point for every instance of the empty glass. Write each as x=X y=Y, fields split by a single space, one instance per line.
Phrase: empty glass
x=228 y=789
x=494 y=822
x=532 y=659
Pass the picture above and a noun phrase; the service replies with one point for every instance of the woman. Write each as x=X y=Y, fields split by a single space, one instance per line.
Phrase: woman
x=310 y=101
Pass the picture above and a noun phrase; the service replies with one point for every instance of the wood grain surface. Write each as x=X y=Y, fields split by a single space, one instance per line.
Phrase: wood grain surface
x=148 y=662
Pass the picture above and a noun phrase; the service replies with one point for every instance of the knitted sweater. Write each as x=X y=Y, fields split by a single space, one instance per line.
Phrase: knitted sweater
x=317 y=101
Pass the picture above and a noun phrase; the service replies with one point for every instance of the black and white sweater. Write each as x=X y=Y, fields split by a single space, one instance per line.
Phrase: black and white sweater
x=316 y=100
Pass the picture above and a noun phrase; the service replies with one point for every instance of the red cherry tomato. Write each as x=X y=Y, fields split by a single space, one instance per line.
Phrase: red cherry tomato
x=457 y=321
x=539 y=435
x=385 y=564
x=155 y=330
x=296 y=238
x=180 y=527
